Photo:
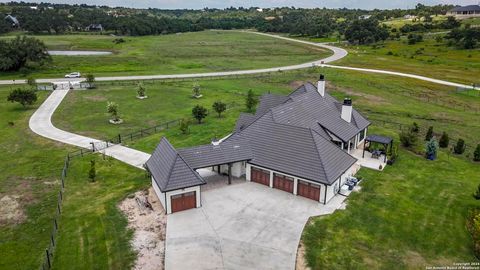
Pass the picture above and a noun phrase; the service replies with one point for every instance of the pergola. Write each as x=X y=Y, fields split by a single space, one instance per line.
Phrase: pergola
x=385 y=141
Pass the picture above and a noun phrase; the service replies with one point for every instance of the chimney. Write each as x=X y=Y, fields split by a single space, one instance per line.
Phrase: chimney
x=347 y=110
x=321 y=85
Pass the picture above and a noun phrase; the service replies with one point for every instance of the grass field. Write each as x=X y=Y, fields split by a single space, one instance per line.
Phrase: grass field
x=205 y=51
x=416 y=206
x=428 y=58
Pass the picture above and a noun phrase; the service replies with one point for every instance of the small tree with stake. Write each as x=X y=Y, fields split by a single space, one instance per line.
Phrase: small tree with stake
x=141 y=91
x=219 y=107
x=184 y=125
x=92 y=173
x=459 y=148
x=431 y=149
x=196 y=90
x=199 y=113
x=23 y=96
x=90 y=79
x=444 y=140
x=251 y=101
x=112 y=109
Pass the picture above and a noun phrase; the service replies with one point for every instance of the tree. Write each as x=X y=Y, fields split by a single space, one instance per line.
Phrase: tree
x=431 y=149
x=22 y=52
x=141 y=90
x=196 y=90
x=429 y=134
x=184 y=125
x=459 y=148
x=31 y=82
x=199 y=112
x=366 y=31
x=251 y=101
x=92 y=173
x=408 y=138
x=112 y=109
x=90 y=78
x=476 y=153
x=23 y=96
x=219 y=107
x=444 y=140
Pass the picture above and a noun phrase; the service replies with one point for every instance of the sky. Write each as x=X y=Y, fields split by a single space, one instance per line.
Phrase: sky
x=199 y=4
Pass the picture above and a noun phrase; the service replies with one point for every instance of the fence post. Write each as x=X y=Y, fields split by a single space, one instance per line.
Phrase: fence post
x=48 y=258
x=119 y=138
x=55 y=224
x=53 y=240
x=58 y=208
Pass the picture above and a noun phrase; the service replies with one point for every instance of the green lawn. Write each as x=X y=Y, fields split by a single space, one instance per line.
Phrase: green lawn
x=205 y=51
x=428 y=58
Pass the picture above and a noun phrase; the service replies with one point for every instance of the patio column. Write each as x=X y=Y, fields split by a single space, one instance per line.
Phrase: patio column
x=364 y=145
x=271 y=179
x=229 y=173
x=295 y=184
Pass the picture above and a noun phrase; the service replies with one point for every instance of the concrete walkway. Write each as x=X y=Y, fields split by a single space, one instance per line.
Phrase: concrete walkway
x=41 y=124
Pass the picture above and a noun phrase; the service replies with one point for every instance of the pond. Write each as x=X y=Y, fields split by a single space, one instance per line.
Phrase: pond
x=79 y=53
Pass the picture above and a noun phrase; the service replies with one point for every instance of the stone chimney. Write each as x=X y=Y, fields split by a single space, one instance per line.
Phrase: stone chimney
x=321 y=85
x=347 y=110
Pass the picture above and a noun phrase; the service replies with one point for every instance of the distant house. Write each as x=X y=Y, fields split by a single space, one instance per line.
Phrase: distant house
x=302 y=143
x=12 y=20
x=94 y=28
x=409 y=17
x=465 y=12
x=364 y=17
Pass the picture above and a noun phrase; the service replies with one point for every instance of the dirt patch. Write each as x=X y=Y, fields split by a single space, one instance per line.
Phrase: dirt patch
x=371 y=99
x=96 y=98
x=149 y=226
x=11 y=211
x=301 y=263
x=414 y=259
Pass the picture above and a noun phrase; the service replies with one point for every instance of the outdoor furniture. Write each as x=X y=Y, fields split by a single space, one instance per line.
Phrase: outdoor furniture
x=385 y=141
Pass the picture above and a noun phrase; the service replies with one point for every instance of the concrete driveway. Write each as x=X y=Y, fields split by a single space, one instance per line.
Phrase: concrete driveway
x=242 y=226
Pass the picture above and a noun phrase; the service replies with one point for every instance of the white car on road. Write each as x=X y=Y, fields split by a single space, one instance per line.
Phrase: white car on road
x=73 y=75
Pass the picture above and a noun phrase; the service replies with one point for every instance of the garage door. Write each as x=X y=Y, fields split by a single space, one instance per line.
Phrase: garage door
x=308 y=190
x=183 y=201
x=283 y=182
x=260 y=176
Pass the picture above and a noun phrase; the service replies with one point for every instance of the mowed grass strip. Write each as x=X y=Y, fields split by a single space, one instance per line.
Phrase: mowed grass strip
x=93 y=233
x=195 y=52
x=30 y=169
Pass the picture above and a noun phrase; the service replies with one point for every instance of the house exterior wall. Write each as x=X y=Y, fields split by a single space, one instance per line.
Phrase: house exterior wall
x=165 y=200
x=238 y=169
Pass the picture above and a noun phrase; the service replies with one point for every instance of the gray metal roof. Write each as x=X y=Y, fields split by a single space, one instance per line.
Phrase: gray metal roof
x=244 y=120
x=379 y=139
x=269 y=101
x=234 y=150
x=169 y=169
x=295 y=150
x=466 y=8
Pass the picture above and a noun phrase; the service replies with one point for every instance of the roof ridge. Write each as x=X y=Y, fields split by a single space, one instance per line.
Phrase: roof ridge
x=319 y=156
x=188 y=165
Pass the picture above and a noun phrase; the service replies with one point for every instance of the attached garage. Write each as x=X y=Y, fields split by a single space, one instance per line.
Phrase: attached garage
x=183 y=201
x=260 y=176
x=308 y=190
x=283 y=182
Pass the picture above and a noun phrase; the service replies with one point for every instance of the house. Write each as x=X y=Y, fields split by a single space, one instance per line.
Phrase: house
x=13 y=20
x=364 y=17
x=94 y=28
x=410 y=17
x=465 y=12
x=299 y=143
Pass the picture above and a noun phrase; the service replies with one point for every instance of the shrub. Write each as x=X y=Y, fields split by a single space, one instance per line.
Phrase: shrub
x=429 y=134
x=92 y=173
x=199 y=113
x=408 y=138
x=473 y=226
x=219 y=107
x=431 y=149
x=251 y=101
x=141 y=90
x=23 y=96
x=459 y=148
x=90 y=78
x=415 y=128
x=444 y=140
x=112 y=109
x=184 y=126
x=196 y=90
x=476 y=154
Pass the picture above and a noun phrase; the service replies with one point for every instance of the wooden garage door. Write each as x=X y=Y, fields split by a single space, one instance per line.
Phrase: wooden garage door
x=260 y=176
x=183 y=201
x=283 y=182
x=308 y=190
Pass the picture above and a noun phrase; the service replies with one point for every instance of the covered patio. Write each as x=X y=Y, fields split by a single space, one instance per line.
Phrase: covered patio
x=369 y=156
